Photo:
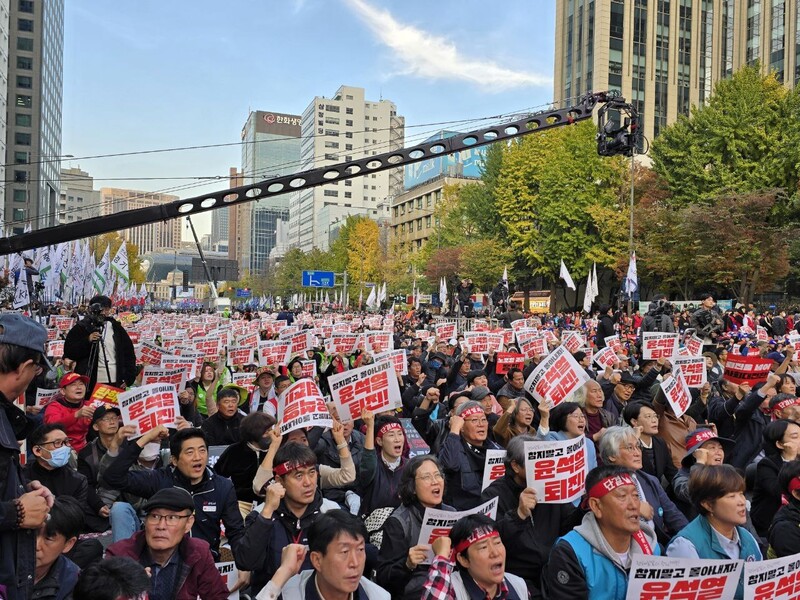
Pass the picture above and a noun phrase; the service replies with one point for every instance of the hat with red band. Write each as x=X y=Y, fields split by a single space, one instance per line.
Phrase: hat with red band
x=387 y=427
x=472 y=410
x=779 y=406
x=480 y=533
x=290 y=465
x=604 y=486
x=698 y=437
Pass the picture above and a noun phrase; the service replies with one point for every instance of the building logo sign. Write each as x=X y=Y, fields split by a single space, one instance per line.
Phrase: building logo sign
x=273 y=119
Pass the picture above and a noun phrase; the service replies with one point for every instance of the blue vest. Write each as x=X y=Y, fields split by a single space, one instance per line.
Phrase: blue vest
x=707 y=545
x=604 y=579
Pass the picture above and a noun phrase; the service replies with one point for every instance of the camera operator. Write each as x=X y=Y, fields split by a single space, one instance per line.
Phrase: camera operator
x=100 y=347
x=659 y=316
x=464 y=293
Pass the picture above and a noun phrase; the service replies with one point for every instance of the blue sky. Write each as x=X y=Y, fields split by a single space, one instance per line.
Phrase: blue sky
x=148 y=74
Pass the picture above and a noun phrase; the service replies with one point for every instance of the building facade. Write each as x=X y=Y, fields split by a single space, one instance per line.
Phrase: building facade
x=33 y=133
x=344 y=127
x=163 y=235
x=78 y=199
x=666 y=55
x=4 y=62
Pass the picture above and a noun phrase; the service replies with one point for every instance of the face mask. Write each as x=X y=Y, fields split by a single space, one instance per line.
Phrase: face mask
x=435 y=364
x=150 y=451
x=59 y=457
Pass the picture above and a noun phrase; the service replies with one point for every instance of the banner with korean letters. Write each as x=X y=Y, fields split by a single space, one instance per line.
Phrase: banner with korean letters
x=614 y=343
x=505 y=361
x=533 y=347
x=189 y=365
x=240 y=355
x=341 y=343
x=438 y=523
x=299 y=342
x=657 y=345
x=556 y=469
x=573 y=342
x=777 y=579
x=494 y=467
x=661 y=577
x=273 y=353
x=301 y=405
x=694 y=345
x=373 y=387
x=677 y=392
x=476 y=342
x=398 y=358
x=605 y=357
x=379 y=341
x=556 y=377
x=693 y=369
x=445 y=331
x=149 y=406
x=176 y=377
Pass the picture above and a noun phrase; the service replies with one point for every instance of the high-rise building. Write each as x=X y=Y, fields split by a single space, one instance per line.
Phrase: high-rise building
x=339 y=129
x=220 y=227
x=153 y=236
x=270 y=147
x=666 y=55
x=4 y=37
x=33 y=135
x=79 y=200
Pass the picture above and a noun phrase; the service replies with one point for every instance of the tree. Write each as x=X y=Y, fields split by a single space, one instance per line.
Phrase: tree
x=444 y=262
x=363 y=252
x=483 y=261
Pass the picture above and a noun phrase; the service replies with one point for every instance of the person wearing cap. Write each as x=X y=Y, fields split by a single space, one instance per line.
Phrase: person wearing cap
x=593 y=560
x=430 y=419
x=463 y=455
x=618 y=391
x=703 y=447
x=70 y=408
x=101 y=348
x=181 y=567
x=781 y=445
x=483 y=395
x=222 y=428
x=380 y=471
x=470 y=562
x=263 y=397
x=718 y=531
x=784 y=531
x=105 y=424
x=785 y=406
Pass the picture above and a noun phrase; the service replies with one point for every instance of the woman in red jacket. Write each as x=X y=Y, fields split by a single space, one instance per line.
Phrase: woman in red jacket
x=71 y=410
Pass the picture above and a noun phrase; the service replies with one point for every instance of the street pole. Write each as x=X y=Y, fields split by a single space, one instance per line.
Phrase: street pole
x=630 y=234
x=344 y=292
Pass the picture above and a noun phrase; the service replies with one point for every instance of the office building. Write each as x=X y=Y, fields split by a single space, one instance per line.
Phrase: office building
x=4 y=38
x=78 y=199
x=270 y=147
x=666 y=55
x=344 y=127
x=33 y=130
x=162 y=235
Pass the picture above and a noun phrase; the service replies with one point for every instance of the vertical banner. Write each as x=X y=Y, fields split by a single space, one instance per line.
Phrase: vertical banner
x=149 y=406
x=373 y=387
x=494 y=467
x=777 y=579
x=556 y=377
x=301 y=405
x=677 y=392
x=556 y=470
x=656 y=577
x=438 y=523
x=657 y=345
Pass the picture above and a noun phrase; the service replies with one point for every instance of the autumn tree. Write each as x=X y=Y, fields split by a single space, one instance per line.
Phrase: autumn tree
x=363 y=251
x=113 y=239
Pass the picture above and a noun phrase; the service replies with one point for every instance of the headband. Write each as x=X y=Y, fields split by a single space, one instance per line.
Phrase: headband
x=387 y=428
x=794 y=484
x=290 y=465
x=604 y=486
x=475 y=410
x=784 y=404
x=481 y=533
x=700 y=437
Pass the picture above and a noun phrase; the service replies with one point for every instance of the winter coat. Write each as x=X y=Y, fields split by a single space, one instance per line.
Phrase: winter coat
x=59 y=581
x=60 y=411
x=303 y=587
x=463 y=470
x=784 y=533
x=749 y=430
x=78 y=347
x=766 y=494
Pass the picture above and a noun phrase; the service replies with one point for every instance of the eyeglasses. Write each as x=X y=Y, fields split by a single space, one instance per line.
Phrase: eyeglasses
x=431 y=477
x=56 y=443
x=478 y=421
x=577 y=415
x=631 y=448
x=154 y=519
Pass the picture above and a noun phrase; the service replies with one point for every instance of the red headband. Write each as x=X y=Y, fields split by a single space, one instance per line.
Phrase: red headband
x=475 y=410
x=602 y=487
x=701 y=437
x=388 y=427
x=481 y=533
x=794 y=484
x=784 y=404
x=290 y=465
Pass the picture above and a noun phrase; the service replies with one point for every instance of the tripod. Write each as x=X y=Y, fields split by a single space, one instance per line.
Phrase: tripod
x=94 y=355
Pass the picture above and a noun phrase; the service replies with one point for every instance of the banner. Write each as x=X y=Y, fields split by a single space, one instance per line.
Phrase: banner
x=273 y=353
x=777 y=579
x=373 y=387
x=438 y=523
x=341 y=343
x=496 y=341
x=556 y=469
x=309 y=368
x=573 y=342
x=693 y=369
x=55 y=349
x=379 y=341
x=476 y=342
x=301 y=405
x=416 y=445
x=149 y=406
x=150 y=354
x=761 y=334
x=533 y=347
x=746 y=369
x=614 y=343
x=240 y=355
x=494 y=467
x=188 y=365
x=556 y=377
x=300 y=342
x=507 y=361
x=445 y=331
x=62 y=323
x=104 y=394
x=655 y=577
x=176 y=377
x=605 y=357
x=657 y=345
x=677 y=392
x=398 y=358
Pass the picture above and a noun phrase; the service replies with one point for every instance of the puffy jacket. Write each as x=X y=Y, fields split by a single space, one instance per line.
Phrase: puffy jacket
x=303 y=586
x=766 y=494
x=214 y=497
x=749 y=429
x=197 y=576
x=463 y=470
x=784 y=533
x=59 y=410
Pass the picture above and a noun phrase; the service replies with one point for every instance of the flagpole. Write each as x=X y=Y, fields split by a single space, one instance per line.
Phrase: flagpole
x=630 y=234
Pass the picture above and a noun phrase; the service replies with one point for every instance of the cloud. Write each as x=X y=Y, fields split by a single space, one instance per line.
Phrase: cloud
x=423 y=54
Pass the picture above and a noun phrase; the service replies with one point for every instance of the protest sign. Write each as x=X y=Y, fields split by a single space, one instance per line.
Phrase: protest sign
x=605 y=357
x=244 y=380
x=556 y=377
x=240 y=355
x=214 y=452
x=188 y=365
x=44 y=396
x=525 y=334
x=210 y=347
x=150 y=354
x=533 y=347
x=62 y=323
x=250 y=340
x=480 y=325
x=230 y=575
x=657 y=345
x=777 y=579
x=438 y=523
x=299 y=342
x=573 y=342
x=55 y=349
x=341 y=343
x=273 y=353
x=341 y=327
x=445 y=331
x=495 y=341
x=149 y=406
x=52 y=334
x=614 y=343
x=309 y=368
x=301 y=405
x=476 y=342
x=657 y=577
x=693 y=369
x=557 y=469
x=761 y=334
x=104 y=394
x=373 y=387
x=416 y=445
x=398 y=358
x=176 y=377
x=507 y=361
x=747 y=369
x=494 y=467
x=424 y=335
x=677 y=392
x=379 y=341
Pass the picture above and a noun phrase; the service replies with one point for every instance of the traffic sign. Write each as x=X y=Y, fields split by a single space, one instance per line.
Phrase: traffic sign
x=320 y=279
x=243 y=293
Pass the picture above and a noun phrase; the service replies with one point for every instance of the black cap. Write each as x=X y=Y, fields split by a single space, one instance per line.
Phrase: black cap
x=173 y=498
x=473 y=374
x=103 y=301
x=102 y=411
x=626 y=377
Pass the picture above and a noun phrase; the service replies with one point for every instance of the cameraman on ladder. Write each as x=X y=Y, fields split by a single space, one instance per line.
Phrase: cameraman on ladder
x=100 y=347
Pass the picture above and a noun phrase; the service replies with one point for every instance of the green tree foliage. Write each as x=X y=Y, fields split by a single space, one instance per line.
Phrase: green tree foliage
x=114 y=239
x=483 y=261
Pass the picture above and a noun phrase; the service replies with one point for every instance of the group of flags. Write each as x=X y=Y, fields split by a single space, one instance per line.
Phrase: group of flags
x=629 y=285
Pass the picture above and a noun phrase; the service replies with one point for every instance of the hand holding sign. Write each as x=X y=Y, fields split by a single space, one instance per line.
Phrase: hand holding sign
x=527 y=502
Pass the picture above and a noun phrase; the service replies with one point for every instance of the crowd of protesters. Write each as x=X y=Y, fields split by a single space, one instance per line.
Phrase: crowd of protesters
x=88 y=510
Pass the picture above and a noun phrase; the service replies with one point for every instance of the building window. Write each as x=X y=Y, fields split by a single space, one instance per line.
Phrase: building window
x=20 y=196
x=348 y=194
x=25 y=62
x=26 y=6
x=19 y=214
x=753 y=49
x=777 y=39
x=331 y=157
x=428 y=222
x=23 y=81
x=25 y=44
x=20 y=176
x=22 y=120
x=331 y=144
x=331 y=193
x=348 y=182
x=332 y=120
x=348 y=111
x=25 y=24
x=615 y=44
x=348 y=134
x=22 y=139
x=348 y=122
x=24 y=101
x=21 y=158
x=331 y=108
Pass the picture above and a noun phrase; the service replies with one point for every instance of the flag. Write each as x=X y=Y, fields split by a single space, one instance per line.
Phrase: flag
x=587 y=296
x=360 y=299
x=101 y=273
x=382 y=294
x=564 y=274
x=595 y=283
x=372 y=299
x=505 y=277
x=443 y=292
x=631 y=279
x=21 y=297
x=120 y=263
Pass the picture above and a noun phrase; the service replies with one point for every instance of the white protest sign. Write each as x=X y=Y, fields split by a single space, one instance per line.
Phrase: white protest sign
x=438 y=523
x=495 y=342
x=777 y=579
x=657 y=345
x=605 y=357
x=379 y=341
x=677 y=392
x=693 y=369
x=476 y=341
x=373 y=387
x=55 y=349
x=44 y=396
x=613 y=342
x=273 y=353
x=176 y=377
x=149 y=406
x=299 y=342
x=341 y=343
x=573 y=342
x=189 y=365
x=556 y=377
x=694 y=345
x=494 y=467
x=398 y=358
x=230 y=575
x=654 y=577
x=533 y=347
x=240 y=355
x=150 y=354
x=301 y=405
x=445 y=331
x=556 y=469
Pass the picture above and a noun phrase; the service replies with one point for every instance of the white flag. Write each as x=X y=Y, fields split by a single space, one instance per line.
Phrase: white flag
x=443 y=292
x=595 y=283
x=587 y=296
x=372 y=299
x=382 y=294
x=120 y=263
x=505 y=277
x=631 y=279
x=21 y=297
x=564 y=274
x=101 y=273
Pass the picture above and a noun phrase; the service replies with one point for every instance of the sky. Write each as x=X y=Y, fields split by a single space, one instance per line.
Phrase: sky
x=142 y=75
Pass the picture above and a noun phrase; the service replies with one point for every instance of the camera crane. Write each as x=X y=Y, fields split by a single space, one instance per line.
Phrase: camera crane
x=614 y=137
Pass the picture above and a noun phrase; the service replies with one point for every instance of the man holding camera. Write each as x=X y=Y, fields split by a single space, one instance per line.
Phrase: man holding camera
x=100 y=347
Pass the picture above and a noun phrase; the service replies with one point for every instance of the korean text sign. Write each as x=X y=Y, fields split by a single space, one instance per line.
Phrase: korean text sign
x=438 y=523
x=664 y=578
x=373 y=387
x=657 y=345
x=777 y=579
x=302 y=405
x=149 y=406
x=556 y=377
x=556 y=470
